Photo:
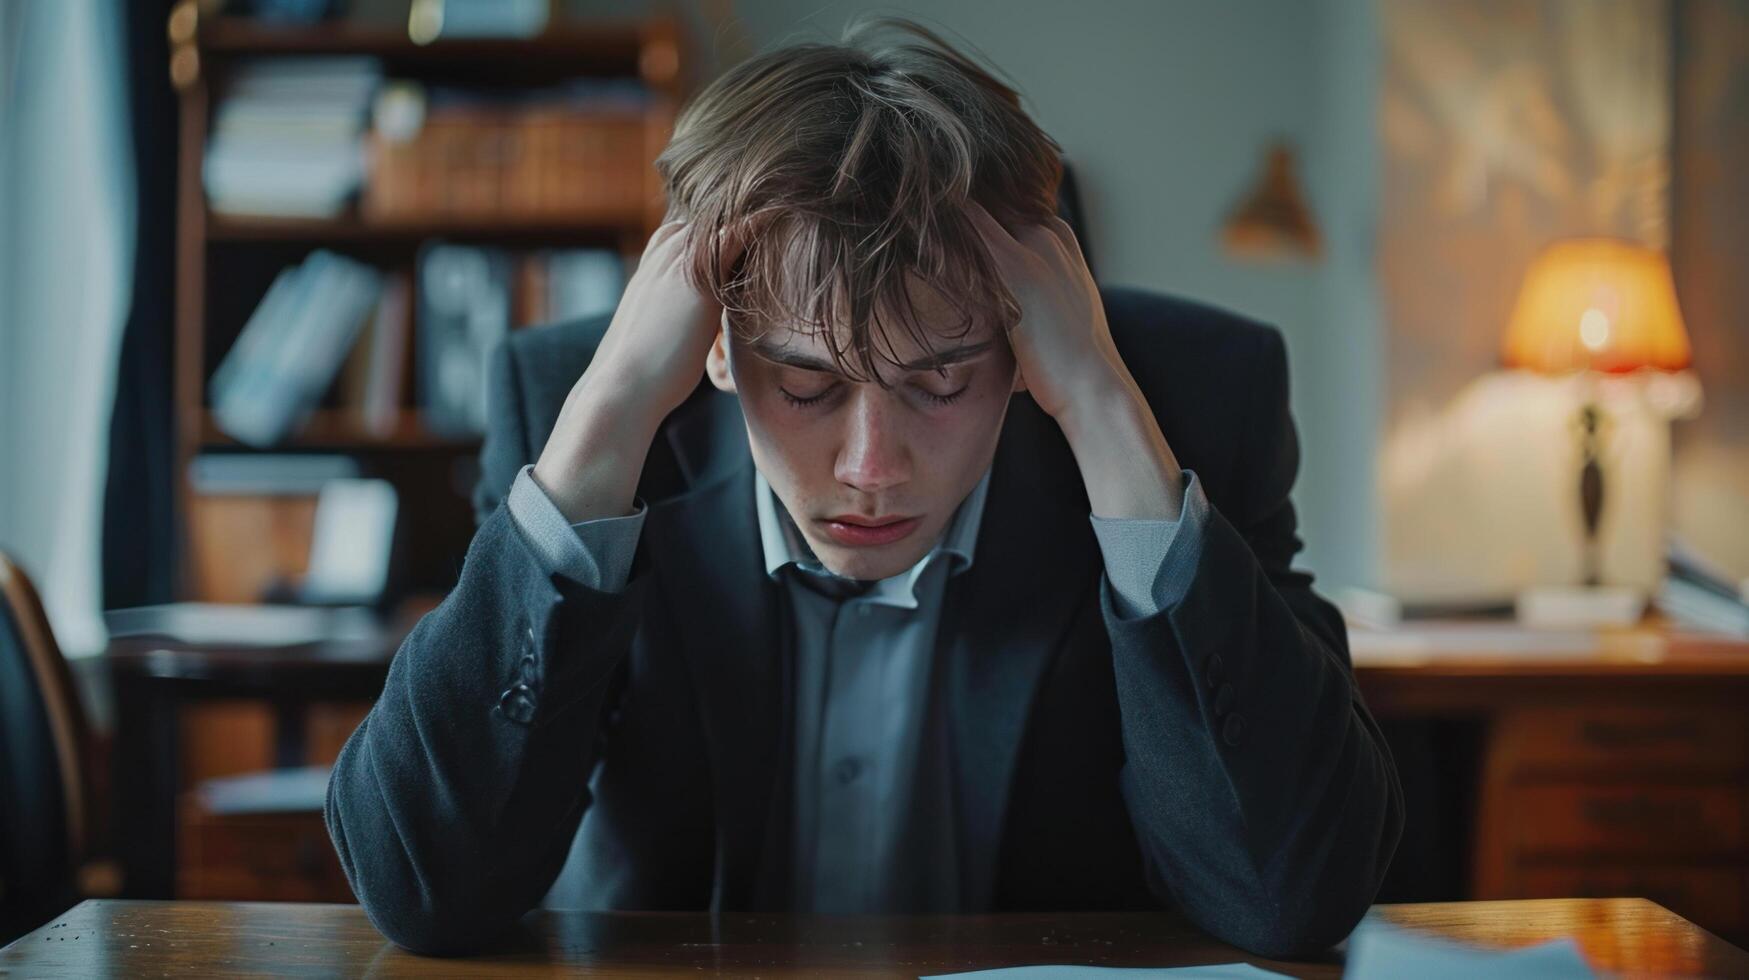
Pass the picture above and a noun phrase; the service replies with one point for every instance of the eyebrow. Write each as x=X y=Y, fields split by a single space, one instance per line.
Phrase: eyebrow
x=805 y=362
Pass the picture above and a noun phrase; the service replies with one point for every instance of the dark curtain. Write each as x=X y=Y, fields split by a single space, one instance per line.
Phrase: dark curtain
x=139 y=517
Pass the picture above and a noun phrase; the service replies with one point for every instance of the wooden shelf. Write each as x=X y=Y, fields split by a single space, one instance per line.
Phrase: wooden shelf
x=599 y=47
x=604 y=227
x=338 y=429
x=225 y=263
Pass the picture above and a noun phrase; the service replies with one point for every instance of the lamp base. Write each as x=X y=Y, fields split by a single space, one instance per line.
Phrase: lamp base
x=1578 y=606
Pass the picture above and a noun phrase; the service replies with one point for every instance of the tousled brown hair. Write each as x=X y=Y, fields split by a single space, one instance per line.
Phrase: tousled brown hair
x=854 y=164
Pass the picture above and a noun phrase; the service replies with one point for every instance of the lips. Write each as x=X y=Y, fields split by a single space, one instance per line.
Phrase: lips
x=864 y=532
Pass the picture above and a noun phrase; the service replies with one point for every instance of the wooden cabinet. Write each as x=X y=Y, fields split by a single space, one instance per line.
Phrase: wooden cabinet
x=1603 y=800
x=1618 y=772
x=281 y=857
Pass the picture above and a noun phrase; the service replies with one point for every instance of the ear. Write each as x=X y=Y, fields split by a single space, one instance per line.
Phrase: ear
x=716 y=363
x=1019 y=379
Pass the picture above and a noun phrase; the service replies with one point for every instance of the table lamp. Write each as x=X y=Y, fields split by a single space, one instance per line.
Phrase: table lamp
x=1595 y=306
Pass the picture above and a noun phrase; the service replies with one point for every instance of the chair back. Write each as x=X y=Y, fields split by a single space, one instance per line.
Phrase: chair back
x=43 y=736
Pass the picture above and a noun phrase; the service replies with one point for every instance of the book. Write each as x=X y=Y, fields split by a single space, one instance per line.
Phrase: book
x=1699 y=608
x=432 y=19
x=386 y=371
x=291 y=348
x=267 y=474
x=1699 y=593
x=288 y=136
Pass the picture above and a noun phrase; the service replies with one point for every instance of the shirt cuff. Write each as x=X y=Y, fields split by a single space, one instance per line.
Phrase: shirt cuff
x=595 y=554
x=1150 y=563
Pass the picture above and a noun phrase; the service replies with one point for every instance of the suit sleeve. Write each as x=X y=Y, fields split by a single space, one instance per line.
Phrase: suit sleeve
x=1263 y=794
x=453 y=805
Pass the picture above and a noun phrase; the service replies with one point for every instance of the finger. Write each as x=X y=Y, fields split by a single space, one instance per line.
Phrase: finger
x=989 y=227
x=1010 y=255
x=665 y=231
x=734 y=239
x=1042 y=240
x=1065 y=234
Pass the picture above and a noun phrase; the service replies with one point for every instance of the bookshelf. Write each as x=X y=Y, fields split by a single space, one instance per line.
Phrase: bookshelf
x=225 y=262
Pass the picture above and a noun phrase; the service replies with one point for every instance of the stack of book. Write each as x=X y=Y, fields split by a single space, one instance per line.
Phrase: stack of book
x=288 y=137
x=577 y=151
x=289 y=352
x=1700 y=594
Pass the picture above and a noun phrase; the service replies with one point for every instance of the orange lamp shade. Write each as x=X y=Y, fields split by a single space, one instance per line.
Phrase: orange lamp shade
x=1600 y=304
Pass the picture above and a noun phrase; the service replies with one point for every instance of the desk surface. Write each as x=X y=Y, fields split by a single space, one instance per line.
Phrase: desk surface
x=1479 y=667
x=1443 y=649
x=116 y=938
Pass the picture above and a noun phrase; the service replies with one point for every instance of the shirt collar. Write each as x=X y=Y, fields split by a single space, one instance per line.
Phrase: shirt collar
x=784 y=544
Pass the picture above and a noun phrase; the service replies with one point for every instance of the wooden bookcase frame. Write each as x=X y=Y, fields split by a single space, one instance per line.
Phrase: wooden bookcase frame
x=204 y=47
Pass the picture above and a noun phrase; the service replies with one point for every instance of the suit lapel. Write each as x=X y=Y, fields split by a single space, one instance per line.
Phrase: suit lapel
x=727 y=616
x=1003 y=620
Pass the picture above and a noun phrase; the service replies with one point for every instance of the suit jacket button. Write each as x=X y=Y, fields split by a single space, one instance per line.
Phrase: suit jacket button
x=847 y=769
x=1212 y=670
x=1224 y=699
x=518 y=704
x=1234 y=730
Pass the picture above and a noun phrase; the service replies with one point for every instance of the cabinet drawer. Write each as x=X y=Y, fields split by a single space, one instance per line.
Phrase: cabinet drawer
x=1621 y=740
x=1711 y=897
x=283 y=857
x=1568 y=818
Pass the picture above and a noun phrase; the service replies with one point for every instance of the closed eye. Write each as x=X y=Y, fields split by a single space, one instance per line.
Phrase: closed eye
x=947 y=399
x=799 y=400
x=802 y=401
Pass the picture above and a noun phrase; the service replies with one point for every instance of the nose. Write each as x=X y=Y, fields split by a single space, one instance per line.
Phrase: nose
x=874 y=455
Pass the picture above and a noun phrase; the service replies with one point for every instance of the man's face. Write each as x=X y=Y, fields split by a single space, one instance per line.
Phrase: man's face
x=872 y=475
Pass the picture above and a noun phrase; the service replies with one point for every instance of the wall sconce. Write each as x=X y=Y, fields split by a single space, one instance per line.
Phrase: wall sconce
x=1272 y=220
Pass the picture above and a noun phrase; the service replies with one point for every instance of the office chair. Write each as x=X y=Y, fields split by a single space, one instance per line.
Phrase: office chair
x=45 y=821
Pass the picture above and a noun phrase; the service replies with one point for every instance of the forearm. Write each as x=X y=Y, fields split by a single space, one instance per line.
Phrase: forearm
x=1125 y=462
x=1262 y=790
x=591 y=463
x=452 y=805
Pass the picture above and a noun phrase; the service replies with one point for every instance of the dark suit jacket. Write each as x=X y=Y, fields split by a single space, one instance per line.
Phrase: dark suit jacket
x=1215 y=757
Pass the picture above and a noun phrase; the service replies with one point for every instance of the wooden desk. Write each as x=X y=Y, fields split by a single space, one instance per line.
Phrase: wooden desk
x=1614 y=763
x=153 y=677
x=126 y=939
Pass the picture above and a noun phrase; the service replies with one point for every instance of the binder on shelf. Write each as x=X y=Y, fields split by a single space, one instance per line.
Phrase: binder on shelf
x=385 y=381
x=463 y=311
x=558 y=285
x=583 y=283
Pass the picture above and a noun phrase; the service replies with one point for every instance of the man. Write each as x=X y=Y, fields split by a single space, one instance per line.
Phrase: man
x=962 y=585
